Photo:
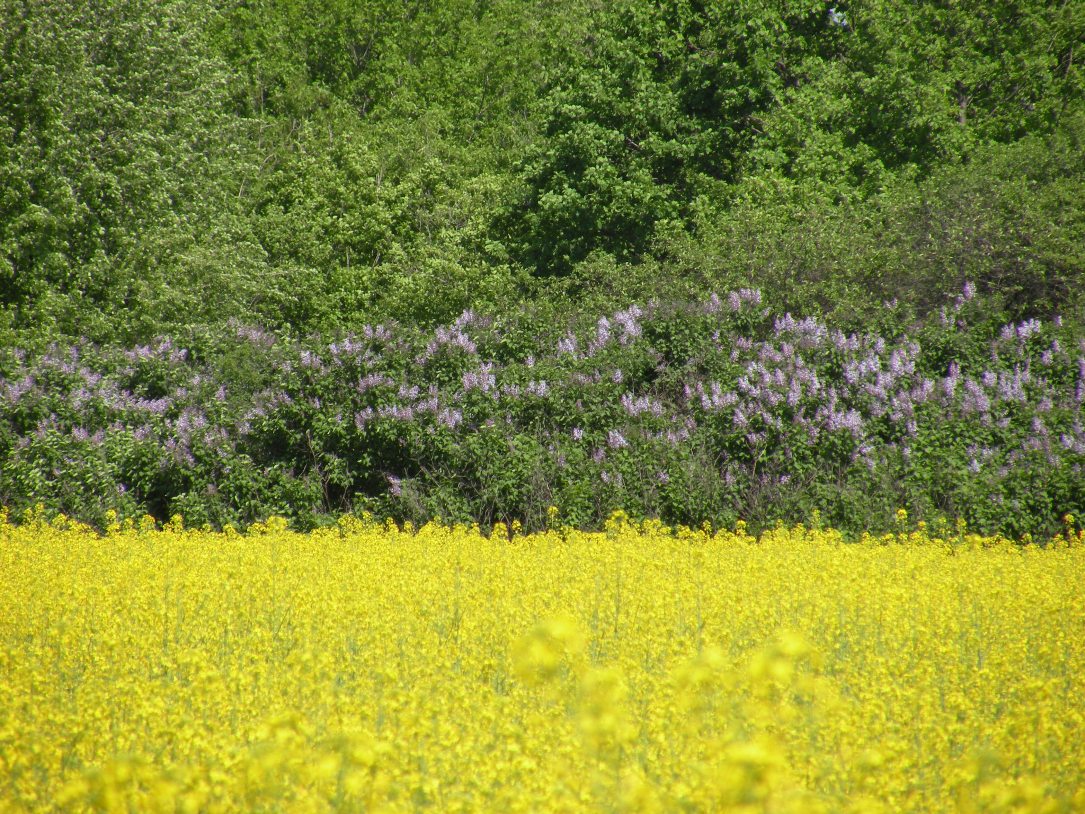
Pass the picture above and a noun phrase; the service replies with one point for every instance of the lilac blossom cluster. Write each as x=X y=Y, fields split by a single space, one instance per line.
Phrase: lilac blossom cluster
x=749 y=406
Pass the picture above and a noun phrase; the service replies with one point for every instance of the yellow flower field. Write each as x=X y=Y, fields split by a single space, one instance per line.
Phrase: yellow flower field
x=369 y=668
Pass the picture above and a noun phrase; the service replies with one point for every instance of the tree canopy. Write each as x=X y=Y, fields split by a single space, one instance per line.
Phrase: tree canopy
x=305 y=165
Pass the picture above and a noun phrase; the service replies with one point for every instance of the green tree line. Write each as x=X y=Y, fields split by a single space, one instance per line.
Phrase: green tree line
x=307 y=165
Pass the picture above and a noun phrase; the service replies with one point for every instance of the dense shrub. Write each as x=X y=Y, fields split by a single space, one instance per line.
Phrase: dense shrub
x=716 y=410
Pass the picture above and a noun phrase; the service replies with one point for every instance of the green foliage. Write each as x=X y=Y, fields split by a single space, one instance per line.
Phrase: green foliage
x=167 y=165
x=1012 y=219
x=669 y=117
x=185 y=168
x=115 y=155
x=649 y=113
x=712 y=410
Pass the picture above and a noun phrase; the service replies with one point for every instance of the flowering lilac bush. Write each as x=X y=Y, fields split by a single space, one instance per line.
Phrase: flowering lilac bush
x=699 y=411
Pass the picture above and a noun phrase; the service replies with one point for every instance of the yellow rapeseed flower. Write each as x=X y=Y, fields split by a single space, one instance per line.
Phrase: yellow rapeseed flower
x=366 y=667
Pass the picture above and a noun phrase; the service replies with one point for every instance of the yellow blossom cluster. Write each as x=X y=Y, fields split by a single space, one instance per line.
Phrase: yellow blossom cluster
x=368 y=667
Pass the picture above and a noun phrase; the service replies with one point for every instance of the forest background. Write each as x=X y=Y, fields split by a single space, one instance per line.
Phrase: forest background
x=476 y=259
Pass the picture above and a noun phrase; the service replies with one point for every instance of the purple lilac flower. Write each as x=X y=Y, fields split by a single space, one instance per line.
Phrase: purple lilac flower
x=346 y=347
x=482 y=379
x=1029 y=328
x=372 y=380
x=567 y=344
x=465 y=343
x=154 y=406
x=602 y=332
x=748 y=387
x=850 y=421
x=794 y=393
x=922 y=391
x=451 y=418
x=627 y=321
x=635 y=406
x=812 y=334
x=252 y=334
x=615 y=440
x=975 y=399
x=13 y=391
x=1012 y=387
x=900 y=364
x=397 y=412
x=949 y=383
x=427 y=405
x=784 y=324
